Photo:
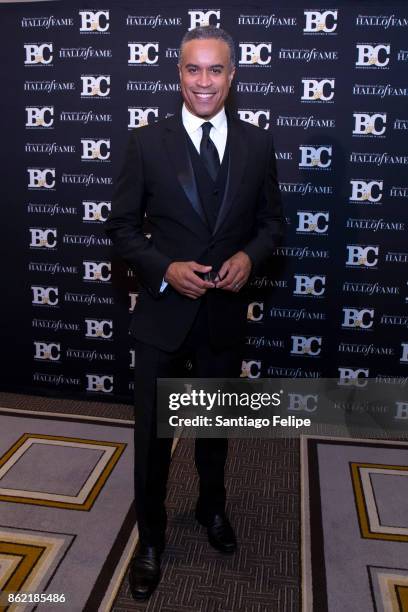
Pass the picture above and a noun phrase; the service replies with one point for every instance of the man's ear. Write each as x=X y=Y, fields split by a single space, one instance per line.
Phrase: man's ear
x=231 y=75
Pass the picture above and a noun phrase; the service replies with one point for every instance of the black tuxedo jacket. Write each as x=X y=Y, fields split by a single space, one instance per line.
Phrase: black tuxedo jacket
x=157 y=180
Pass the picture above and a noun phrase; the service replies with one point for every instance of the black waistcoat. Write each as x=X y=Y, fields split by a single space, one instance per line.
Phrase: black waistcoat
x=211 y=192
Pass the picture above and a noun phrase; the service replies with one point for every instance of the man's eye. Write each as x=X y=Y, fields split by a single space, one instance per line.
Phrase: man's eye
x=216 y=70
x=192 y=70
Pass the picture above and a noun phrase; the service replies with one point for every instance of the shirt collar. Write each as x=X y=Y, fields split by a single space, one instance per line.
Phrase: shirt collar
x=192 y=122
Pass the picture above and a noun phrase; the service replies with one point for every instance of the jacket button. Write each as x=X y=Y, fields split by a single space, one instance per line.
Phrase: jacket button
x=216 y=192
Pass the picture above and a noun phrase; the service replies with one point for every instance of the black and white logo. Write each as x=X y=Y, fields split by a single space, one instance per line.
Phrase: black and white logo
x=41 y=178
x=38 y=54
x=309 y=346
x=255 y=54
x=96 y=211
x=143 y=53
x=94 y=22
x=44 y=296
x=315 y=156
x=47 y=351
x=138 y=117
x=358 y=318
x=99 y=271
x=95 y=86
x=309 y=286
x=39 y=116
x=369 y=124
x=318 y=90
x=251 y=369
x=359 y=256
x=99 y=384
x=353 y=376
x=312 y=222
x=260 y=118
x=43 y=238
x=204 y=18
x=99 y=328
x=366 y=191
x=255 y=311
x=320 y=22
x=95 y=150
x=373 y=56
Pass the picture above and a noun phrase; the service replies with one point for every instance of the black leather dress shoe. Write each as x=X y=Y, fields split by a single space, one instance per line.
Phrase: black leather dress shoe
x=144 y=574
x=221 y=536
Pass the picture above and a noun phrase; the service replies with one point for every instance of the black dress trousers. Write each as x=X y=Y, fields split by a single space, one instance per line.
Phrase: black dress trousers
x=152 y=454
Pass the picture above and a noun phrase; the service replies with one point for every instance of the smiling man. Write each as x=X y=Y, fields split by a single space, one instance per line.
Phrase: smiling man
x=207 y=184
x=206 y=75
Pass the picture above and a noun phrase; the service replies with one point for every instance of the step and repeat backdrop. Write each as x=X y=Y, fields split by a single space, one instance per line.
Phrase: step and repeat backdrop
x=330 y=83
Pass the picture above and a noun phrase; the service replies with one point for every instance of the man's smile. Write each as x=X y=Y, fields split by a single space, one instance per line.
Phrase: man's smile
x=204 y=96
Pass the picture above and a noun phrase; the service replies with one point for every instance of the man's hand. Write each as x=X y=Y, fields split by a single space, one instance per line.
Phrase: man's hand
x=234 y=272
x=181 y=276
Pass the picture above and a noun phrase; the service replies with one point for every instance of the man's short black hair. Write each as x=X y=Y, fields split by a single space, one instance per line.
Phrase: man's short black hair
x=205 y=32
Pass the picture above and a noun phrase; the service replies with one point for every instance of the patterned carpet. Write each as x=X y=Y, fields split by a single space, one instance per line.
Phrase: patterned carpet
x=64 y=480
x=355 y=527
x=263 y=505
x=263 y=576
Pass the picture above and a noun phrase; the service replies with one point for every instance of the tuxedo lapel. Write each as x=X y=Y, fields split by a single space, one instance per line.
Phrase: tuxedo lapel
x=237 y=160
x=176 y=146
x=175 y=143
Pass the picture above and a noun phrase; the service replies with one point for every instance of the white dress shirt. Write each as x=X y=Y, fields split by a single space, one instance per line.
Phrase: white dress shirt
x=218 y=135
x=218 y=132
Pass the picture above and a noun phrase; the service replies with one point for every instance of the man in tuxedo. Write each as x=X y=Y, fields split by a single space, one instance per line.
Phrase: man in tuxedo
x=207 y=184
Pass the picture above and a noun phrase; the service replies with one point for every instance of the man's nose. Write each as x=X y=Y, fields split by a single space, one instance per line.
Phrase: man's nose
x=204 y=79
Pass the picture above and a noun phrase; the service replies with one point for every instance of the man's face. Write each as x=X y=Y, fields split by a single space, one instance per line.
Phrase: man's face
x=205 y=76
